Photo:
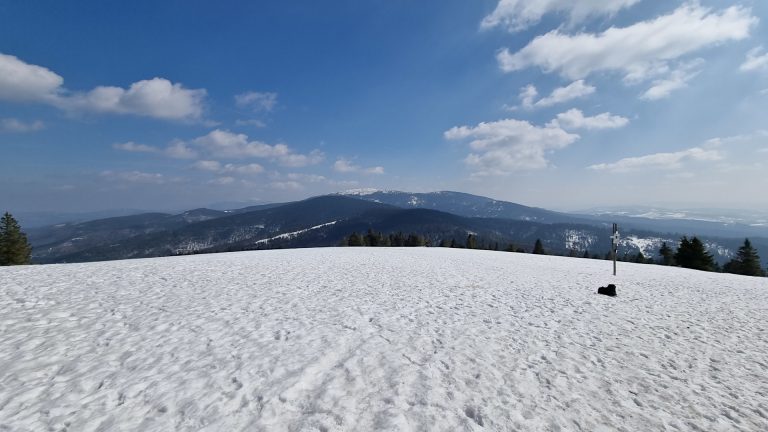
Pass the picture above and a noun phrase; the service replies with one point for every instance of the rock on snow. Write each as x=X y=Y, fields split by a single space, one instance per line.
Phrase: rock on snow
x=352 y=339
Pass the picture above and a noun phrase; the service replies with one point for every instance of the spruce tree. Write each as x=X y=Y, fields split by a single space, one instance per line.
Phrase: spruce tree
x=14 y=247
x=538 y=248
x=747 y=261
x=355 y=240
x=692 y=254
x=667 y=255
x=471 y=242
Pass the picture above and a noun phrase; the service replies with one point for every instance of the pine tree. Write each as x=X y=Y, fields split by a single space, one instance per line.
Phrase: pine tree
x=747 y=261
x=692 y=254
x=667 y=256
x=471 y=242
x=538 y=248
x=355 y=240
x=14 y=247
x=586 y=254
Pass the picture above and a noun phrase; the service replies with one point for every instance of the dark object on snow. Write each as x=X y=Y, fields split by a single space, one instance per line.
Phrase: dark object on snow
x=610 y=290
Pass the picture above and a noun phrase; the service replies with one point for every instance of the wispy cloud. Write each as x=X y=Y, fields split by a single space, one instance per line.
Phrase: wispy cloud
x=575 y=90
x=257 y=101
x=677 y=79
x=133 y=147
x=346 y=166
x=15 y=125
x=659 y=161
x=639 y=51
x=517 y=15
x=756 y=60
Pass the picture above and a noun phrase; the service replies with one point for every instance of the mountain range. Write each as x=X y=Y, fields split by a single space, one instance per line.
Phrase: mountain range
x=327 y=220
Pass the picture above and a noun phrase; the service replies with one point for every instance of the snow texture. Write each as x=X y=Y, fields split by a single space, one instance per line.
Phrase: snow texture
x=356 y=339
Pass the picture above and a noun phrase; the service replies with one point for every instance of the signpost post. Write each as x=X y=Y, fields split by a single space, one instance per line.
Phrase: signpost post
x=615 y=245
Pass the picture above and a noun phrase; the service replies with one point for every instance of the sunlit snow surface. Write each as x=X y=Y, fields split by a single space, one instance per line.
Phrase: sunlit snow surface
x=359 y=339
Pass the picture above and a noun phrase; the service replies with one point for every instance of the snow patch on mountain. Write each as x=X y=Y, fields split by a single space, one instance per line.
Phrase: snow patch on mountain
x=578 y=240
x=293 y=234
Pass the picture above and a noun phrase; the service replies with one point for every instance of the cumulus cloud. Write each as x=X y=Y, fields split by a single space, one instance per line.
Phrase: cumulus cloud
x=346 y=166
x=575 y=119
x=676 y=80
x=510 y=145
x=639 y=51
x=229 y=145
x=16 y=125
x=156 y=97
x=516 y=15
x=659 y=161
x=575 y=90
x=133 y=147
x=20 y=81
x=756 y=60
x=180 y=150
x=257 y=101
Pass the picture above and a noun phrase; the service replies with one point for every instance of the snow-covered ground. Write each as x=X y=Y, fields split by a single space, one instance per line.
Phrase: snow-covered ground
x=359 y=339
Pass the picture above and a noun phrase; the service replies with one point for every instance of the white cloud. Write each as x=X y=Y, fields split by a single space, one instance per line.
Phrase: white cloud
x=518 y=15
x=505 y=146
x=756 y=60
x=251 y=168
x=251 y=122
x=208 y=165
x=218 y=167
x=131 y=146
x=221 y=181
x=20 y=81
x=257 y=101
x=16 y=125
x=180 y=150
x=528 y=95
x=346 y=166
x=134 y=177
x=575 y=90
x=639 y=51
x=575 y=119
x=156 y=97
x=677 y=79
x=226 y=144
x=661 y=161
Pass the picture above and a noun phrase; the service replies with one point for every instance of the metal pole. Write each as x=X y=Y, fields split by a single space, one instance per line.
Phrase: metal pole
x=615 y=246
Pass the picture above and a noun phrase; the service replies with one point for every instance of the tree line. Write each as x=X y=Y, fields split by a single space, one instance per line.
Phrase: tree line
x=690 y=253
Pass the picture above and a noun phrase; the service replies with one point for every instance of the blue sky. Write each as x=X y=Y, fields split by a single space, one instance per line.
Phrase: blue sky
x=566 y=105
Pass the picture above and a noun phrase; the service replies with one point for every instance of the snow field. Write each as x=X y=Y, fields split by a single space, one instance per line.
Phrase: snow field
x=354 y=339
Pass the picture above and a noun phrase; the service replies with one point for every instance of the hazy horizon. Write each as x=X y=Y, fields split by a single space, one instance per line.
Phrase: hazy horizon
x=560 y=105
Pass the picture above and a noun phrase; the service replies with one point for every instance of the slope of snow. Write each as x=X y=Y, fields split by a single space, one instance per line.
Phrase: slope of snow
x=357 y=339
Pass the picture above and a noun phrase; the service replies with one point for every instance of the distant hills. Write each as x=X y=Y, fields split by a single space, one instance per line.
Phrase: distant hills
x=327 y=220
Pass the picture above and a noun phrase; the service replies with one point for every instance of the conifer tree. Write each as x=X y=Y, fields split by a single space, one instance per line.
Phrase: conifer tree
x=667 y=255
x=14 y=247
x=538 y=248
x=471 y=242
x=355 y=240
x=692 y=254
x=747 y=261
x=586 y=254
